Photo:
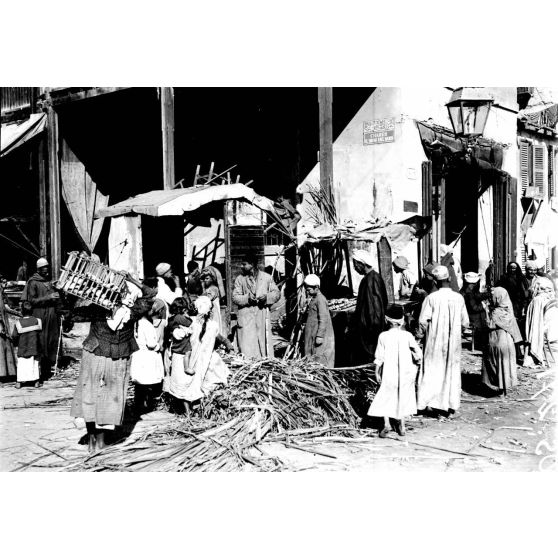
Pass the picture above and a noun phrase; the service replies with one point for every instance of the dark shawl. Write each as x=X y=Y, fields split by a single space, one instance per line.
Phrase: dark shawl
x=369 y=316
x=501 y=314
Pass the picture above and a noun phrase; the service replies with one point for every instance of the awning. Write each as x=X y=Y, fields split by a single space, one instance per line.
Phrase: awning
x=161 y=203
x=399 y=235
x=14 y=135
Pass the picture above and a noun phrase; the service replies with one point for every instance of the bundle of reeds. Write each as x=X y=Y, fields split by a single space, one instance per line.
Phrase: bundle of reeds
x=264 y=400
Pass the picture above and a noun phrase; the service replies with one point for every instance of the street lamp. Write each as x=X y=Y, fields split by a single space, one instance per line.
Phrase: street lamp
x=468 y=110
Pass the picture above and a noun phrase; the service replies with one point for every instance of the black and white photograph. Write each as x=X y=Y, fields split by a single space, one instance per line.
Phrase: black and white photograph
x=233 y=261
x=372 y=284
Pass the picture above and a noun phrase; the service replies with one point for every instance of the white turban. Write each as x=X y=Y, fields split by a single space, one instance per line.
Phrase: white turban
x=312 y=280
x=162 y=268
x=472 y=277
x=42 y=262
x=531 y=264
x=440 y=272
x=203 y=305
x=363 y=256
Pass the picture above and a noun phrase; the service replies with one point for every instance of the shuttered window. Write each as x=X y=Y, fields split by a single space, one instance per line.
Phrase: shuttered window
x=524 y=165
x=523 y=249
x=551 y=171
x=539 y=171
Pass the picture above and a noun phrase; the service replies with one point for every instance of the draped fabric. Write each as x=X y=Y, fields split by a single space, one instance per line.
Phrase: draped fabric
x=82 y=197
x=502 y=314
x=14 y=135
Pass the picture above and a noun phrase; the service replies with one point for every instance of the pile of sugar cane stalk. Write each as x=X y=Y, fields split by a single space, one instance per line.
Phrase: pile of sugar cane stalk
x=265 y=400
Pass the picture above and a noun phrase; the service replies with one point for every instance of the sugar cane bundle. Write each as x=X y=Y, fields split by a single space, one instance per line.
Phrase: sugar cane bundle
x=86 y=278
x=264 y=400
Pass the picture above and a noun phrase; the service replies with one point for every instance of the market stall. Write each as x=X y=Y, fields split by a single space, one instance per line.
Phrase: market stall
x=210 y=223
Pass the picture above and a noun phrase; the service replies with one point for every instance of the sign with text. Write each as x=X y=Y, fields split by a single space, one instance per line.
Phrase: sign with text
x=379 y=131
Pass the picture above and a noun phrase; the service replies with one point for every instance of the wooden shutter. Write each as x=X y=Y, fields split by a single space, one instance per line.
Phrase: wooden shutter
x=551 y=171
x=524 y=165
x=539 y=171
x=523 y=249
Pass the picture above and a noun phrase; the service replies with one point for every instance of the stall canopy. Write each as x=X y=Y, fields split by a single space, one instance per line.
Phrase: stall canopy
x=161 y=203
x=14 y=135
x=399 y=235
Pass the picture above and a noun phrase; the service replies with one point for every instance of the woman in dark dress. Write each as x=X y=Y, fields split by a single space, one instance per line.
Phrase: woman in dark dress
x=517 y=287
x=475 y=308
x=100 y=395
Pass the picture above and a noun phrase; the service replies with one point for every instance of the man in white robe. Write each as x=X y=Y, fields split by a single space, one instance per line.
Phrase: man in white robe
x=164 y=292
x=442 y=317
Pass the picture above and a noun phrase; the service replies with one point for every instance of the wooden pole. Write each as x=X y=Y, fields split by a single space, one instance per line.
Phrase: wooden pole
x=325 y=100
x=54 y=190
x=42 y=166
x=167 y=127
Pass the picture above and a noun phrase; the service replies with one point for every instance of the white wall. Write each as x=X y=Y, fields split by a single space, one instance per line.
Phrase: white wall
x=372 y=181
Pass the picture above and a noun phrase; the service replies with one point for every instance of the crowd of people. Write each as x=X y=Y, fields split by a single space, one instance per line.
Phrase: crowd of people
x=417 y=353
x=164 y=337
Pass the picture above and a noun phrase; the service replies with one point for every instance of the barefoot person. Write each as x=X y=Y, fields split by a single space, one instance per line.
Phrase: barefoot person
x=441 y=320
x=396 y=359
x=100 y=394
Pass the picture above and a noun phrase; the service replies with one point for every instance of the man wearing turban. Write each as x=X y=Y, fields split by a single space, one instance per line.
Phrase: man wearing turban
x=442 y=317
x=369 y=316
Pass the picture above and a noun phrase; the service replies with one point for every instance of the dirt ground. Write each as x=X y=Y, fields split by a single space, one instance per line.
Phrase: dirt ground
x=512 y=433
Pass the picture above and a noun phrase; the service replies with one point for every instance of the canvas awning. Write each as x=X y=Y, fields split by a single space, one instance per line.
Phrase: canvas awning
x=14 y=135
x=161 y=203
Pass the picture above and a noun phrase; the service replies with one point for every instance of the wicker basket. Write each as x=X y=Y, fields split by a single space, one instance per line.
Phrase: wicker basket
x=90 y=280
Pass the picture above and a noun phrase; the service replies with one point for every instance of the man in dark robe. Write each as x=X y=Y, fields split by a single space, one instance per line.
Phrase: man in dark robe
x=372 y=300
x=47 y=307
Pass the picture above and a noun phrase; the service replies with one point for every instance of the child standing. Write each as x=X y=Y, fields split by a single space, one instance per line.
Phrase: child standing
x=27 y=337
x=146 y=368
x=181 y=349
x=396 y=359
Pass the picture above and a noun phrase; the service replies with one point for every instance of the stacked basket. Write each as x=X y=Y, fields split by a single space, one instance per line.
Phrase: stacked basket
x=86 y=278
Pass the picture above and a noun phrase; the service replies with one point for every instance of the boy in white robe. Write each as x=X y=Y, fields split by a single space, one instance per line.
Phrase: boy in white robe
x=397 y=356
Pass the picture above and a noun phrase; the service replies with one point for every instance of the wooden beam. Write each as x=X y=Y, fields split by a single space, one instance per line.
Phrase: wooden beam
x=167 y=127
x=59 y=95
x=42 y=169
x=325 y=99
x=54 y=192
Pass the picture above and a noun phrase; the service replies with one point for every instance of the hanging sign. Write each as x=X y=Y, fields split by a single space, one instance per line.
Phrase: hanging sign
x=379 y=131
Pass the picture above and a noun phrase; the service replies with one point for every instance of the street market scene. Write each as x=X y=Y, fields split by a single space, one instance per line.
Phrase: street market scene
x=278 y=279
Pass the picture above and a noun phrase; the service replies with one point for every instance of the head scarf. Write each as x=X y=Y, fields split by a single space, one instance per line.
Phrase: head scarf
x=401 y=262
x=440 y=272
x=203 y=305
x=363 y=257
x=215 y=275
x=312 y=280
x=133 y=294
x=162 y=268
x=502 y=313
